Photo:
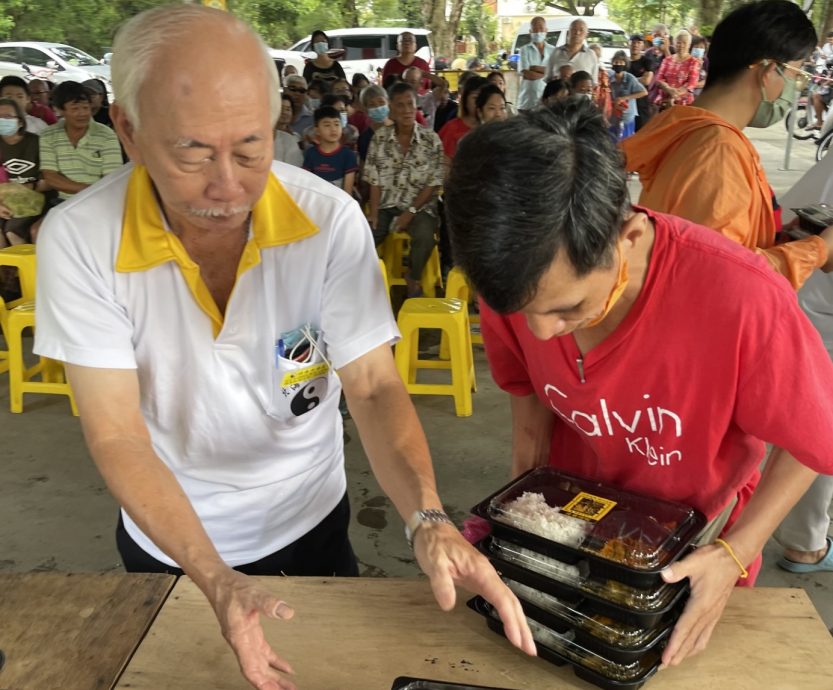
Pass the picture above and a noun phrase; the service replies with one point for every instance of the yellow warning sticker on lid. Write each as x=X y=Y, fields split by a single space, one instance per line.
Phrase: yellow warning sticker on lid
x=589 y=507
x=305 y=374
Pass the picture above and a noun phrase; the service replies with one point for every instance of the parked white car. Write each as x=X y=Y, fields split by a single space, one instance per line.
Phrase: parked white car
x=56 y=62
x=367 y=49
x=606 y=33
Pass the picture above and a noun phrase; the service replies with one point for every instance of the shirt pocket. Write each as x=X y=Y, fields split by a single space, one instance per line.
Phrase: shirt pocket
x=298 y=388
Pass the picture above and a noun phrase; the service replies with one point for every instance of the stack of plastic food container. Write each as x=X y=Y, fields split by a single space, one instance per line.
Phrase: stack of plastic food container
x=584 y=559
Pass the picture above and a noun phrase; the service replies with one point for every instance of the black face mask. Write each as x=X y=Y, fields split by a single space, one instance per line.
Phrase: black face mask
x=618 y=68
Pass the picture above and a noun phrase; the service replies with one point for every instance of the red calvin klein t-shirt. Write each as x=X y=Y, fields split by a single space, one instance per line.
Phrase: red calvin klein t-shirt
x=714 y=358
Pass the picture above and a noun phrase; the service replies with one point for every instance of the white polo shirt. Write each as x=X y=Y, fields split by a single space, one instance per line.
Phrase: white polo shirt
x=584 y=60
x=254 y=440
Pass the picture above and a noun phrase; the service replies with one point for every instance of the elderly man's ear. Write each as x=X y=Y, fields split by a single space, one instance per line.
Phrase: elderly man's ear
x=127 y=133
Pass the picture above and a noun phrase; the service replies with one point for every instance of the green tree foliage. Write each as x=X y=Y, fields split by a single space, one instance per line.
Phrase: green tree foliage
x=91 y=24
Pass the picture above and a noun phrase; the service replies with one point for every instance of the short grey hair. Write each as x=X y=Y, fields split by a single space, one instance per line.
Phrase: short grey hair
x=143 y=37
x=371 y=92
x=684 y=34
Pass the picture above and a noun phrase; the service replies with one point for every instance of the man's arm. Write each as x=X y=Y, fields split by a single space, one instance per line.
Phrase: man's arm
x=531 y=433
x=713 y=572
x=646 y=78
x=425 y=195
x=375 y=197
x=120 y=445
x=398 y=452
x=62 y=183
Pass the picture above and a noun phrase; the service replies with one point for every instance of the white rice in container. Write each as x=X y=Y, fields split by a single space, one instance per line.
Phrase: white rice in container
x=531 y=513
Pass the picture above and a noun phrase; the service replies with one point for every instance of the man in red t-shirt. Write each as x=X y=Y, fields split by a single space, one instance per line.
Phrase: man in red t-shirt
x=638 y=348
x=407 y=47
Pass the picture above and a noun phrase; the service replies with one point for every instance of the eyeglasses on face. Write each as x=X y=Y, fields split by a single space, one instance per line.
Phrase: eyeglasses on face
x=296 y=89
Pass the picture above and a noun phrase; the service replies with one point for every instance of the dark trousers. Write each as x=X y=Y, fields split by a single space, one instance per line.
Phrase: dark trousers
x=324 y=551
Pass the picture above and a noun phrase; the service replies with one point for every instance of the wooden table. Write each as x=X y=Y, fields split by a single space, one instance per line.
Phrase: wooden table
x=61 y=631
x=359 y=634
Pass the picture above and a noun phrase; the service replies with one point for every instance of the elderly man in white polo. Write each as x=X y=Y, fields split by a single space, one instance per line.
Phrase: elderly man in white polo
x=210 y=305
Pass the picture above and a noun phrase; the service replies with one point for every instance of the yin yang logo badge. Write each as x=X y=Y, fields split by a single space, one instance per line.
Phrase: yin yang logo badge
x=309 y=396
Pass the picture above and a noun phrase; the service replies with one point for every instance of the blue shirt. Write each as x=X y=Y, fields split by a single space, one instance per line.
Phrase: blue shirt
x=332 y=166
x=629 y=85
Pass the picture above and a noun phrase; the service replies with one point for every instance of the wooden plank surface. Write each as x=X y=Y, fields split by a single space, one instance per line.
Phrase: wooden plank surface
x=62 y=630
x=359 y=634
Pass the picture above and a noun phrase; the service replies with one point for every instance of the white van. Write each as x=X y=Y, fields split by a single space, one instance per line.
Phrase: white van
x=606 y=33
x=367 y=49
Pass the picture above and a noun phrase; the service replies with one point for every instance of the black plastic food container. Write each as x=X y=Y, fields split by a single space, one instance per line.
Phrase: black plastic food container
x=612 y=640
x=595 y=597
x=405 y=683
x=619 y=535
x=571 y=652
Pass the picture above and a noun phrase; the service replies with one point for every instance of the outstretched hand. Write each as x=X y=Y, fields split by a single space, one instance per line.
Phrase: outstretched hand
x=238 y=603
x=449 y=560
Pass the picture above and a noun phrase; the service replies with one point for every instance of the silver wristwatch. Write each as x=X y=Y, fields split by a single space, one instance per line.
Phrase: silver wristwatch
x=419 y=518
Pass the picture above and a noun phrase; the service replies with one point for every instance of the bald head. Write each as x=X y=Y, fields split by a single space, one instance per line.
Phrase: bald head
x=172 y=56
x=577 y=33
x=412 y=76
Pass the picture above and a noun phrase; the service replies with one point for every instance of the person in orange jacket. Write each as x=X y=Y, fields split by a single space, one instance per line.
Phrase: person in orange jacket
x=695 y=162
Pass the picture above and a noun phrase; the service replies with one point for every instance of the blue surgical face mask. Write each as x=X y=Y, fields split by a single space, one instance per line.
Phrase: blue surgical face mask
x=343 y=118
x=8 y=126
x=320 y=47
x=538 y=36
x=657 y=41
x=314 y=103
x=698 y=52
x=379 y=113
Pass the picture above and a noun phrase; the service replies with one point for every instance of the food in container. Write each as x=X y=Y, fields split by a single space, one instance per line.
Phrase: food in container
x=587 y=664
x=614 y=640
x=621 y=535
x=647 y=608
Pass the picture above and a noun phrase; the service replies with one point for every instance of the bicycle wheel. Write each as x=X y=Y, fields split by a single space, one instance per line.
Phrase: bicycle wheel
x=824 y=145
x=801 y=123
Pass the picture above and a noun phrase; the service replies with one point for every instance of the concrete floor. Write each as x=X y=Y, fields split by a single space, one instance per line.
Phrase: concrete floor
x=56 y=514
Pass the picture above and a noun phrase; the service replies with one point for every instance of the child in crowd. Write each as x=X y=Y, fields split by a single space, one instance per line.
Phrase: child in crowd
x=328 y=158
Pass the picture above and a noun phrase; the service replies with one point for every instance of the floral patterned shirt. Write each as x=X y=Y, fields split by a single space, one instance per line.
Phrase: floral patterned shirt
x=402 y=178
x=678 y=75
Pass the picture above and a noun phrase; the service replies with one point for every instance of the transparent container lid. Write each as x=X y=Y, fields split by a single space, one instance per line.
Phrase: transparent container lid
x=627 y=529
x=636 y=598
x=606 y=629
x=566 y=646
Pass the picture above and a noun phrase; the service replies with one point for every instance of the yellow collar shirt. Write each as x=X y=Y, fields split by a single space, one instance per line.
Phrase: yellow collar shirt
x=254 y=438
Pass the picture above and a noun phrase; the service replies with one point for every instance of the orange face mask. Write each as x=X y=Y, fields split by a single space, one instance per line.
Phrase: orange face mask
x=616 y=292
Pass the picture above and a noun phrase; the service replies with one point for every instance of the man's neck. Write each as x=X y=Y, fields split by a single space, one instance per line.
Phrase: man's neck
x=329 y=146
x=725 y=102
x=404 y=132
x=573 y=49
x=76 y=133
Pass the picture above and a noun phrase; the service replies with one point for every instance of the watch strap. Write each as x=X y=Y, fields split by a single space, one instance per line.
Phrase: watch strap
x=419 y=518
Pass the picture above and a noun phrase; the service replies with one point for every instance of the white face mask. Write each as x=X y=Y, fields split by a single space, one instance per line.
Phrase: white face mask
x=538 y=37
x=320 y=47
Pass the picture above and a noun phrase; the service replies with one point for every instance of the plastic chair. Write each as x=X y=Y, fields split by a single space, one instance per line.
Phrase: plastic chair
x=457 y=286
x=51 y=372
x=23 y=258
x=450 y=316
x=395 y=248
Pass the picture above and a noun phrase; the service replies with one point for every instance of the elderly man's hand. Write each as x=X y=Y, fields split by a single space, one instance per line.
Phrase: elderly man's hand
x=238 y=602
x=712 y=573
x=448 y=559
x=5 y=212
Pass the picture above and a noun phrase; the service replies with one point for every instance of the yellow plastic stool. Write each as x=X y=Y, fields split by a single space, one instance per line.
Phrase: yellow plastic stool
x=5 y=308
x=384 y=270
x=395 y=248
x=450 y=316
x=20 y=378
x=22 y=257
x=457 y=286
